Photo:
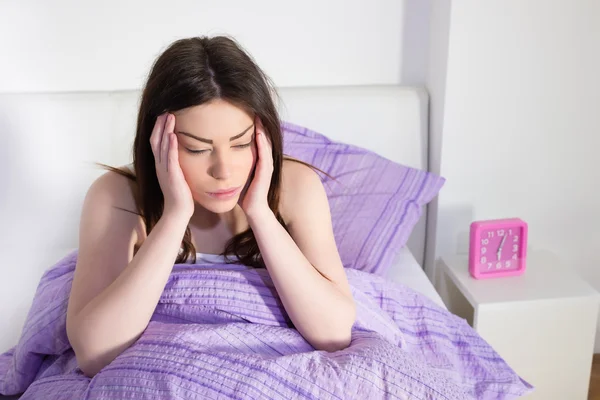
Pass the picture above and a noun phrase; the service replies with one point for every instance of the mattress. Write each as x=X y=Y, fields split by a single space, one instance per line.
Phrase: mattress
x=406 y=270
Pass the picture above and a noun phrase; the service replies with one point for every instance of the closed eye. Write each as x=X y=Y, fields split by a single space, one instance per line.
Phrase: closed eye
x=195 y=151
x=241 y=146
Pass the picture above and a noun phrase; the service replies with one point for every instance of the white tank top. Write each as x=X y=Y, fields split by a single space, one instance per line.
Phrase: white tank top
x=211 y=258
x=207 y=258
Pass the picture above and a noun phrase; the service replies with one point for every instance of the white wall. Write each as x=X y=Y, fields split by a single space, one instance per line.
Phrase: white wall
x=516 y=123
x=435 y=78
x=71 y=45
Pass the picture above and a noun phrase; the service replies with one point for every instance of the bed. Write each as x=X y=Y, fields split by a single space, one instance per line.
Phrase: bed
x=45 y=189
x=38 y=180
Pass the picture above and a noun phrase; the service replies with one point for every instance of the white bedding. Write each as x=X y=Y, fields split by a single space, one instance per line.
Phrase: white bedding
x=406 y=270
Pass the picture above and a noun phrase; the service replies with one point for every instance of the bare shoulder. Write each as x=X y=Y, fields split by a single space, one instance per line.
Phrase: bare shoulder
x=108 y=233
x=116 y=187
x=295 y=174
x=117 y=190
x=299 y=184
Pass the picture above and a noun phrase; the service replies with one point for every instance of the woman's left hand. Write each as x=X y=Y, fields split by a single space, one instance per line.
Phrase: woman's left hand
x=253 y=199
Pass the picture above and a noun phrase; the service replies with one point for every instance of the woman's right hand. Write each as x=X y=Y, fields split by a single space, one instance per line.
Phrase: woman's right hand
x=176 y=191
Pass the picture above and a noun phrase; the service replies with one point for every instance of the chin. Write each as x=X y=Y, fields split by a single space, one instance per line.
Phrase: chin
x=217 y=206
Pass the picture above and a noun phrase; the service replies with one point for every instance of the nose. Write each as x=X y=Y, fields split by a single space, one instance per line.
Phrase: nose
x=221 y=167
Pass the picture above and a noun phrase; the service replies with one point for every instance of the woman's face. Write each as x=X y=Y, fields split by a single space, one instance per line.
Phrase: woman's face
x=224 y=158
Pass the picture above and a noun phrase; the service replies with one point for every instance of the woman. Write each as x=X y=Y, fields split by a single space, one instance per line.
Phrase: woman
x=208 y=177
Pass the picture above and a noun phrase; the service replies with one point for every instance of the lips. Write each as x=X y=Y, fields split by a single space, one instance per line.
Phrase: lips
x=224 y=194
x=224 y=191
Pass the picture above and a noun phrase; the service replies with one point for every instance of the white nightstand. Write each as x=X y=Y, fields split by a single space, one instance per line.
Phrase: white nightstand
x=543 y=323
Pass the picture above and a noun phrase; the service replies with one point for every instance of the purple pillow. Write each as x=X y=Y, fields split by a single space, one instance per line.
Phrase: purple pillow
x=375 y=203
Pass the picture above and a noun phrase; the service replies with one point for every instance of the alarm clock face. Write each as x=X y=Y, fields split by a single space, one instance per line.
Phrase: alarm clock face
x=500 y=248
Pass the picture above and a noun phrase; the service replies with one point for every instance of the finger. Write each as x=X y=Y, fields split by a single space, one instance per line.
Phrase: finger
x=267 y=149
x=169 y=162
x=259 y=125
x=259 y=147
x=160 y=137
x=169 y=126
x=155 y=137
x=264 y=156
x=173 y=158
x=260 y=128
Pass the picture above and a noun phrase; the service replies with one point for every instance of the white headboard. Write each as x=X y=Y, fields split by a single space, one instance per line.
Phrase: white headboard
x=51 y=140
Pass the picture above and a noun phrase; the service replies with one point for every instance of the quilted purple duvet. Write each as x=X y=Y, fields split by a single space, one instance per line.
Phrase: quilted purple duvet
x=220 y=332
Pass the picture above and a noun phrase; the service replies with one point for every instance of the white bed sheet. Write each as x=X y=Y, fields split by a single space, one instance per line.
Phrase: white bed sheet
x=406 y=270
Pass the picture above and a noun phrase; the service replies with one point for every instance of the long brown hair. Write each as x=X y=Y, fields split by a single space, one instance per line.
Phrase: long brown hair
x=191 y=72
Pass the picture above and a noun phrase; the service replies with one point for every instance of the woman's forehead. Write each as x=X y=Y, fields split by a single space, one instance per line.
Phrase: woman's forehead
x=217 y=119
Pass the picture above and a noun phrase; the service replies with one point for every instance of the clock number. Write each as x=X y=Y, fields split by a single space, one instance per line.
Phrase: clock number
x=507 y=264
x=516 y=239
x=489 y=265
x=510 y=232
x=515 y=247
x=490 y=234
x=499 y=265
x=483 y=250
x=500 y=232
x=483 y=260
x=514 y=257
x=484 y=242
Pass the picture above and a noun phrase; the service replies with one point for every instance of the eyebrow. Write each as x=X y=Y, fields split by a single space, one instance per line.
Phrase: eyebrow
x=210 y=141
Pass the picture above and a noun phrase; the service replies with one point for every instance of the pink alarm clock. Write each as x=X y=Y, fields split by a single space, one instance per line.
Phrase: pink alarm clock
x=498 y=247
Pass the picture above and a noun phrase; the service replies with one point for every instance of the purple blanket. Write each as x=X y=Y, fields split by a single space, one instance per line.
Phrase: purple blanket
x=220 y=331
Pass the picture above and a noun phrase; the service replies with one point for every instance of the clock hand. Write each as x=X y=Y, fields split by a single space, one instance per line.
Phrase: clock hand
x=500 y=248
